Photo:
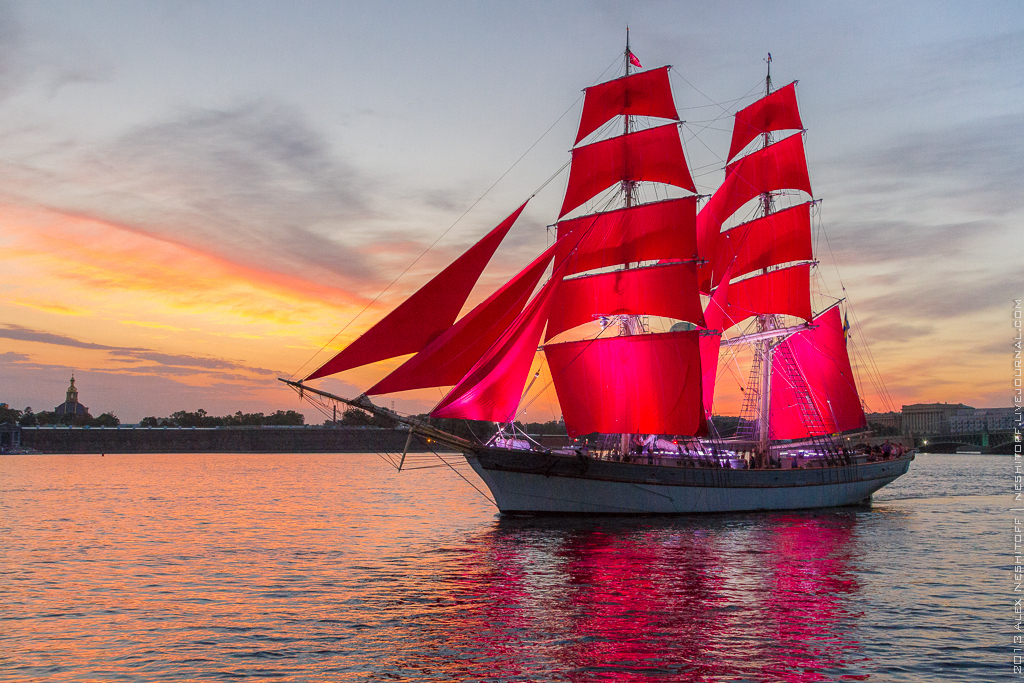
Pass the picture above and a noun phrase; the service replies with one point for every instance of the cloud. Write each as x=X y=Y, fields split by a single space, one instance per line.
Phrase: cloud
x=948 y=295
x=132 y=354
x=255 y=184
x=51 y=307
x=895 y=332
x=20 y=333
x=12 y=49
x=28 y=61
x=154 y=390
x=937 y=215
x=883 y=241
x=967 y=64
x=98 y=258
x=978 y=166
x=176 y=360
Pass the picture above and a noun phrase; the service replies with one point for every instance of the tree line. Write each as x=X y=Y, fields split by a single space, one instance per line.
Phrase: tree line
x=200 y=418
x=28 y=418
x=181 y=418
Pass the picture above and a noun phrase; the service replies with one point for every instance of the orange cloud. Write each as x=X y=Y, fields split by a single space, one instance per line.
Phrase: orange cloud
x=99 y=255
x=51 y=307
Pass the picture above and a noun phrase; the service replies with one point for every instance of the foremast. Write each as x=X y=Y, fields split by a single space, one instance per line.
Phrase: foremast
x=770 y=333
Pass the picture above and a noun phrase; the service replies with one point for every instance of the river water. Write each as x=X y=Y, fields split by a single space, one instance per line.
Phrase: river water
x=320 y=567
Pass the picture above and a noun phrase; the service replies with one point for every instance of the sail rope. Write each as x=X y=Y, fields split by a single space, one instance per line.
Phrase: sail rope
x=461 y=475
x=694 y=131
x=450 y=227
x=551 y=382
x=611 y=194
x=868 y=360
x=713 y=103
x=604 y=202
x=457 y=220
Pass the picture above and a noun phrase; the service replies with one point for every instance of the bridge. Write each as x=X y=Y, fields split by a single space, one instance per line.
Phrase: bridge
x=986 y=442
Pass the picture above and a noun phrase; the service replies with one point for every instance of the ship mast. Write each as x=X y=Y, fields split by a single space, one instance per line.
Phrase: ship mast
x=766 y=322
x=627 y=323
x=628 y=186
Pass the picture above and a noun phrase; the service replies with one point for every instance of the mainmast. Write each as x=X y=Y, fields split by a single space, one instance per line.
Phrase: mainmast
x=628 y=324
x=628 y=186
x=766 y=323
x=767 y=199
x=616 y=384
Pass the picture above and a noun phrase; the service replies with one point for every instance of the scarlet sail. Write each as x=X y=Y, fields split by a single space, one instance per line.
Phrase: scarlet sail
x=780 y=166
x=645 y=232
x=406 y=329
x=777 y=111
x=814 y=360
x=711 y=341
x=781 y=237
x=447 y=359
x=786 y=291
x=647 y=384
x=493 y=387
x=642 y=94
x=669 y=291
x=655 y=154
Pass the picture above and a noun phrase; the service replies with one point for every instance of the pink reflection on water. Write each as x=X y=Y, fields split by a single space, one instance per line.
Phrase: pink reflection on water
x=322 y=567
x=699 y=600
x=808 y=603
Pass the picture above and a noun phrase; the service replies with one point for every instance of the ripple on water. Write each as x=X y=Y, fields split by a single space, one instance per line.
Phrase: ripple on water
x=333 y=567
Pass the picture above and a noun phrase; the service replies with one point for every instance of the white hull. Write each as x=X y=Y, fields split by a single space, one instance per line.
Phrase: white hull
x=554 y=484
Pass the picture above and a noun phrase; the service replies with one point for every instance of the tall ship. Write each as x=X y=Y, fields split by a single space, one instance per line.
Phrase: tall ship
x=647 y=304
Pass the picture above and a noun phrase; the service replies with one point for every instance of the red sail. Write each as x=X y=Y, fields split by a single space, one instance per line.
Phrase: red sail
x=780 y=166
x=406 y=329
x=781 y=237
x=710 y=347
x=641 y=384
x=777 y=111
x=493 y=387
x=711 y=341
x=646 y=232
x=655 y=154
x=669 y=291
x=641 y=94
x=819 y=356
x=785 y=292
x=717 y=308
x=447 y=359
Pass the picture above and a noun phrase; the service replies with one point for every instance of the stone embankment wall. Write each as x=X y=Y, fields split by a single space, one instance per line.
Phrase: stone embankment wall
x=217 y=440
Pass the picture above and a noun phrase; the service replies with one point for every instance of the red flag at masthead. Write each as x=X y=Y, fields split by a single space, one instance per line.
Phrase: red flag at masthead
x=634 y=61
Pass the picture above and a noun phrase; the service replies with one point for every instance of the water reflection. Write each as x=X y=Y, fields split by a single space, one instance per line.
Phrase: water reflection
x=332 y=567
x=746 y=598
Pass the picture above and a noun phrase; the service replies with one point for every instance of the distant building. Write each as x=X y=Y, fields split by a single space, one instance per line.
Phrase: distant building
x=893 y=419
x=10 y=437
x=971 y=421
x=71 y=406
x=922 y=419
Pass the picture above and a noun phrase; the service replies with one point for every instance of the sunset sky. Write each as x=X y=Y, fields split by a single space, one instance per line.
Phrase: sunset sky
x=196 y=197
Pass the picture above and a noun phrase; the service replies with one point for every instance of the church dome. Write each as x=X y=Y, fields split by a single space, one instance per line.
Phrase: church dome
x=71 y=406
